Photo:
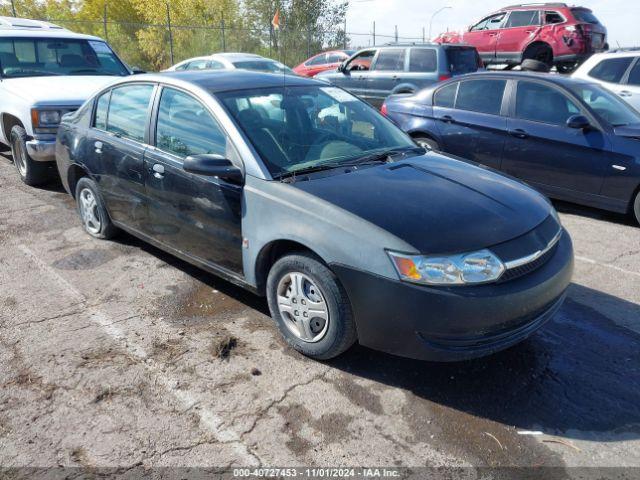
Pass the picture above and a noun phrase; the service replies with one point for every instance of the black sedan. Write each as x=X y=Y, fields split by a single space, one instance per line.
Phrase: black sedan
x=301 y=192
x=570 y=139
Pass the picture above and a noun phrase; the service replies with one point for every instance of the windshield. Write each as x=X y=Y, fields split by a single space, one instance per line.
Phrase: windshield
x=34 y=57
x=606 y=105
x=297 y=128
x=268 y=66
x=586 y=16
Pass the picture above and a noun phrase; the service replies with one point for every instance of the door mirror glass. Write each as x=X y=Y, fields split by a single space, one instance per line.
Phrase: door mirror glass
x=212 y=165
x=579 y=122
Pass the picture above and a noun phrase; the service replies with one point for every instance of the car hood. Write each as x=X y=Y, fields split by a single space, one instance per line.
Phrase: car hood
x=629 y=131
x=58 y=90
x=435 y=203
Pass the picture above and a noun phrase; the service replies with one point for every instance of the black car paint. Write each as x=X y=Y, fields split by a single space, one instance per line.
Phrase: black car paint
x=598 y=167
x=199 y=219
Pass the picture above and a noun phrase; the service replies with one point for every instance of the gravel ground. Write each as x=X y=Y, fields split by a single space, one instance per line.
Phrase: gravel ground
x=115 y=354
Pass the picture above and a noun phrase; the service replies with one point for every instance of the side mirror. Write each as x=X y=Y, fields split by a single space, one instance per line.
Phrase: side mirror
x=342 y=68
x=212 y=165
x=579 y=122
x=137 y=70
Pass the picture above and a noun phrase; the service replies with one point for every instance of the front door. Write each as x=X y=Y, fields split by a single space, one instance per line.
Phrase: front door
x=197 y=215
x=484 y=36
x=116 y=151
x=355 y=73
x=563 y=162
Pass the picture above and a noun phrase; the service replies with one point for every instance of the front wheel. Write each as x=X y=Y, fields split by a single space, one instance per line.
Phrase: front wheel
x=310 y=307
x=427 y=143
x=31 y=172
x=566 y=67
x=636 y=208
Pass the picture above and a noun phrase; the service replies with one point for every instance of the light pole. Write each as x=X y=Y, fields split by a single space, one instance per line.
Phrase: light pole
x=433 y=16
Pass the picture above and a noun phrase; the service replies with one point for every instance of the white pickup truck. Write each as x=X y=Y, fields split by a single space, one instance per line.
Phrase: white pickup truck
x=45 y=72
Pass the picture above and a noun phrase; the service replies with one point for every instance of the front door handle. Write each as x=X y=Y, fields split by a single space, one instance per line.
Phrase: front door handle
x=625 y=93
x=158 y=170
x=446 y=119
x=98 y=147
x=518 y=133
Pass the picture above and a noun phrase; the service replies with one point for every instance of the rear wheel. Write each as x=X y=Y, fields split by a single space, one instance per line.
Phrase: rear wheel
x=310 y=307
x=426 y=142
x=566 y=67
x=541 y=53
x=31 y=172
x=94 y=216
x=636 y=207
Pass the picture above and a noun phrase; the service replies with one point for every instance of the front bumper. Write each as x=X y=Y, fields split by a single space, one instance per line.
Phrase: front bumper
x=450 y=324
x=42 y=150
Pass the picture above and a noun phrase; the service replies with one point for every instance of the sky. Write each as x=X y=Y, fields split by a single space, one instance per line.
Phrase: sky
x=621 y=17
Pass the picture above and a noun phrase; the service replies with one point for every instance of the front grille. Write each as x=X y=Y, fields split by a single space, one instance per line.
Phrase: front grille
x=522 y=270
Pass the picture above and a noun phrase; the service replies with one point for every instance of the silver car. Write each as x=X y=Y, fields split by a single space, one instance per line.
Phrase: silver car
x=232 y=61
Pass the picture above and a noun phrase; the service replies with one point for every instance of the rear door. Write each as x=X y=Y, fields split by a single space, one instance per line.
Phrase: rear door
x=484 y=36
x=197 y=215
x=520 y=27
x=563 y=162
x=118 y=140
x=471 y=121
x=386 y=73
x=614 y=74
x=630 y=89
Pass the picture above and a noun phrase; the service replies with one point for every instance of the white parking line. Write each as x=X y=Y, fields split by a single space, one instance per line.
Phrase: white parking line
x=209 y=419
x=607 y=265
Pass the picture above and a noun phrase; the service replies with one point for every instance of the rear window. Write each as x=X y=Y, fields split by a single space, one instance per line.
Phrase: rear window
x=391 y=59
x=483 y=96
x=586 y=16
x=462 y=60
x=611 y=70
x=422 y=60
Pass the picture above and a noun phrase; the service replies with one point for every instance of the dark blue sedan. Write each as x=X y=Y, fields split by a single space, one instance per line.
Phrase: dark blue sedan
x=570 y=139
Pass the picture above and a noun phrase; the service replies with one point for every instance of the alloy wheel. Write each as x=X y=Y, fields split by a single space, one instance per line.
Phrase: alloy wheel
x=89 y=211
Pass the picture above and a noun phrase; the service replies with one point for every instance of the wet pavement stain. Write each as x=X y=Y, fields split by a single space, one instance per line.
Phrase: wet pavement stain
x=85 y=259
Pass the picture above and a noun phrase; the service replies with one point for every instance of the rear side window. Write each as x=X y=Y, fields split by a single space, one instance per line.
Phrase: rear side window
x=197 y=65
x=634 y=76
x=523 y=18
x=553 y=17
x=102 y=108
x=462 y=60
x=611 y=70
x=446 y=96
x=483 y=96
x=391 y=59
x=583 y=15
x=422 y=60
x=128 y=111
x=185 y=127
x=541 y=103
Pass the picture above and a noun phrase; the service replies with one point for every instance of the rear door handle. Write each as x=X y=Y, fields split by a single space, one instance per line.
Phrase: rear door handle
x=518 y=133
x=625 y=93
x=446 y=119
x=98 y=147
x=158 y=170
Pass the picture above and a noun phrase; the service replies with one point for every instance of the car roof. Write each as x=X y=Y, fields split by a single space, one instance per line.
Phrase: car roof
x=24 y=27
x=549 y=77
x=232 y=56
x=618 y=53
x=529 y=6
x=217 y=81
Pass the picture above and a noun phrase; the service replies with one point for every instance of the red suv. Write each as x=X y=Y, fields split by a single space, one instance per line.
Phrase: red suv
x=553 y=33
x=322 y=62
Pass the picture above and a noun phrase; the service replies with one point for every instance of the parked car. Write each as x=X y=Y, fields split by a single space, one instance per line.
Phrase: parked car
x=45 y=72
x=377 y=72
x=570 y=139
x=322 y=61
x=347 y=227
x=618 y=71
x=553 y=33
x=232 y=61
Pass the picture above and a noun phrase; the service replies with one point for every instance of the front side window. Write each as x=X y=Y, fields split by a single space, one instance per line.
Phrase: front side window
x=423 y=60
x=446 y=96
x=294 y=128
x=317 y=60
x=214 y=65
x=336 y=57
x=185 y=127
x=33 y=57
x=482 y=96
x=198 y=65
x=523 y=18
x=611 y=70
x=606 y=105
x=391 y=59
x=490 y=23
x=128 y=111
x=542 y=103
x=362 y=61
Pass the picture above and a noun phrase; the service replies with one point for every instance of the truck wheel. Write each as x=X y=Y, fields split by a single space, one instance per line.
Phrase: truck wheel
x=94 y=216
x=426 y=142
x=310 y=307
x=31 y=172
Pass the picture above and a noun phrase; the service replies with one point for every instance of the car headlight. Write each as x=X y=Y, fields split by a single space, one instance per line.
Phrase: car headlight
x=45 y=118
x=463 y=269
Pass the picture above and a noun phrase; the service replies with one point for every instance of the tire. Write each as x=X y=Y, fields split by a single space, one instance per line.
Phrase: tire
x=31 y=172
x=636 y=207
x=530 y=65
x=93 y=214
x=540 y=53
x=318 y=290
x=426 y=142
x=566 y=67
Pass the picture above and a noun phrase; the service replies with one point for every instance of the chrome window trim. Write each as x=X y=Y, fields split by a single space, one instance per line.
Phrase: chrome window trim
x=534 y=256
